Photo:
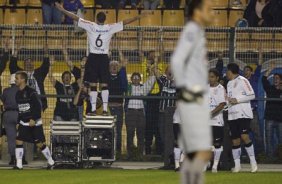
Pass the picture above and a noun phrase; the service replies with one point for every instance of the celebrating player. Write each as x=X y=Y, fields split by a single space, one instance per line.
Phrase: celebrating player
x=240 y=93
x=30 y=123
x=189 y=65
x=217 y=103
x=97 y=65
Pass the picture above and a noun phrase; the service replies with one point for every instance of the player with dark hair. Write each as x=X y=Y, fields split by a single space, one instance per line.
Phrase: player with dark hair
x=29 y=123
x=97 y=65
x=189 y=66
x=217 y=102
x=239 y=95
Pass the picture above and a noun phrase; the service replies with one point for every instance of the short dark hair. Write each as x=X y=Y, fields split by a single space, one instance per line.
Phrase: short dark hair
x=249 y=67
x=23 y=75
x=215 y=72
x=279 y=75
x=233 y=67
x=101 y=17
x=136 y=74
x=66 y=73
x=193 y=5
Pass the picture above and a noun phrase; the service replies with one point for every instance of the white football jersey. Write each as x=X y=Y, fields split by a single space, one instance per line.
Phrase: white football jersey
x=99 y=36
x=217 y=96
x=240 y=88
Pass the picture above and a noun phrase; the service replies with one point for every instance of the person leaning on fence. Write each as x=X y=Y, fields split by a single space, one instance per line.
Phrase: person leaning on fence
x=135 y=117
x=65 y=109
x=36 y=76
x=272 y=112
x=166 y=111
x=118 y=86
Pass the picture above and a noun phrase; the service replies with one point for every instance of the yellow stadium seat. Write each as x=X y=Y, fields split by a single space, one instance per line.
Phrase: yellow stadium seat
x=1 y=16
x=14 y=16
x=173 y=18
x=220 y=3
x=21 y=3
x=153 y=19
x=2 y=2
x=110 y=15
x=89 y=14
x=220 y=18
x=34 y=3
x=125 y=14
x=88 y=3
x=34 y=16
x=234 y=16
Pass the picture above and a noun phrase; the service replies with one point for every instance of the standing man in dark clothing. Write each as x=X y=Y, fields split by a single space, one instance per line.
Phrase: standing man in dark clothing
x=272 y=113
x=51 y=15
x=65 y=109
x=36 y=76
x=167 y=108
x=3 y=60
x=29 y=126
x=118 y=86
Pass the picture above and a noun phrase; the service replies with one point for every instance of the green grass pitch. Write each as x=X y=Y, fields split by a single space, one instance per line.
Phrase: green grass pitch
x=127 y=177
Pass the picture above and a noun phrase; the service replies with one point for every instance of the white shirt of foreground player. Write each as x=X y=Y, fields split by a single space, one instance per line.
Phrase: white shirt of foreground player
x=140 y=91
x=189 y=61
x=99 y=36
x=241 y=89
x=217 y=96
x=176 y=116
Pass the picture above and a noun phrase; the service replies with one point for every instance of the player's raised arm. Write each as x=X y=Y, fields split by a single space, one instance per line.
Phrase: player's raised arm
x=51 y=77
x=133 y=19
x=67 y=13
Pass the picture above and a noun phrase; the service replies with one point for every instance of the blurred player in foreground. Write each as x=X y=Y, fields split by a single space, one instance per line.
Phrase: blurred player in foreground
x=190 y=68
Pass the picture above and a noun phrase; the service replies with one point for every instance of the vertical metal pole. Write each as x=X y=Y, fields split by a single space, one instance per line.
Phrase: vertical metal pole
x=232 y=45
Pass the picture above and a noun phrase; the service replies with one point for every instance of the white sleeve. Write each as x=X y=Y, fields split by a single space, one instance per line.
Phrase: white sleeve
x=84 y=24
x=185 y=45
x=248 y=91
x=148 y=85
x=221 y=96
x=117 y=27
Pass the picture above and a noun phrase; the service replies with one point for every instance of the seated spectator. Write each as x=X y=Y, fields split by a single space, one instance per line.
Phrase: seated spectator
x=73 y=6
x=258 y=13
x=118 y=86
x=106 y=4
x=135 y=117
x=65 y=109
x=151 y=4
x=51 y=15
x=122 y=3
x=172 y=4
x=36 y=76
x=273 y=115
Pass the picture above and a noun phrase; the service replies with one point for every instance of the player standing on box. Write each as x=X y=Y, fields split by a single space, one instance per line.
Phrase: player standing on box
x=217 y=103
x=30 y=123
x=239 y=96
x=97 y=65
x=190 y=68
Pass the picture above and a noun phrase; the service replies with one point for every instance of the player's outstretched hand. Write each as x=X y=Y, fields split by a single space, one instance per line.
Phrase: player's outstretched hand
x=233 y=101
x=52 y=60
x=59 y=6
x=32 y=123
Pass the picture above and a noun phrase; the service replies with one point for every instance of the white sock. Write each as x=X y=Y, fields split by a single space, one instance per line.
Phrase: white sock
x=105 y=98
x=177 y=155
x=217 y=153
x=19 y=157
x=251 y=152
x=236 y=156
x=93 y=99
x=48 y=156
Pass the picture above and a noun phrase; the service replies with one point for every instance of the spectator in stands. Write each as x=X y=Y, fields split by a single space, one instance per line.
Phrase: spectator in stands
x=74 y=6
x=276 y=12
x=122 y=3
x=258 y=13
x=118 y=86
x=36 y=76
x=65 y=109
x=172 y=4
x=135 y=117
x=167 y=109
x=51 y=15
x=4 y=59
x=106 y=4
x=151 y=4
x=273 y=115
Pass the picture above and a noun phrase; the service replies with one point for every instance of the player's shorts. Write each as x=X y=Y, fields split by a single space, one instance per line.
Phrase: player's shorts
x=239 y=127
x=31 y=134
x=176 y=131
x=97 y=68
x=218 y=134
x=195 y=127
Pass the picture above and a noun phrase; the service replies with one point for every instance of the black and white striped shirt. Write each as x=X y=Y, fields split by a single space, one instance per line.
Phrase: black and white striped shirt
x=168 y=89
